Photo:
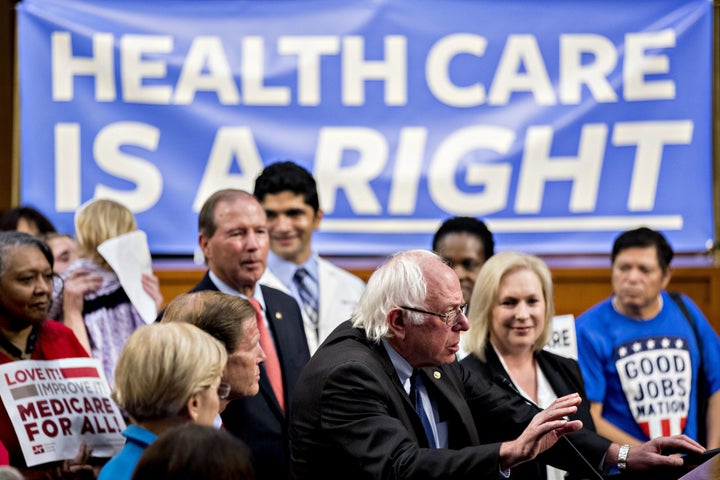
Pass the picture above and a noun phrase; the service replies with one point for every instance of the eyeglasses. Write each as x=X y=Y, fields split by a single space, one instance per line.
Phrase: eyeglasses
x=223 y=391
x=450 y=318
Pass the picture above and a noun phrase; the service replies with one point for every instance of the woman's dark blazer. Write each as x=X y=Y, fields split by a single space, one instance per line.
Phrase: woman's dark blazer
x=564 y=377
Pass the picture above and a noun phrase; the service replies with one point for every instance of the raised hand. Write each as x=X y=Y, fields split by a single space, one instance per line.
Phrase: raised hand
x=151 y=284
x=76 y=285
x=545 y=429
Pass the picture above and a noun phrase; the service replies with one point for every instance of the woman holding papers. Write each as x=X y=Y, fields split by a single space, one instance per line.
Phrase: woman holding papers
x=93 y=303
x=510 y=322
x=26 y=285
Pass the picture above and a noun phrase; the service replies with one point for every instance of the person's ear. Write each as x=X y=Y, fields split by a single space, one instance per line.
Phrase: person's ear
x=192 y=407
x=203 y=244
x=397 y=323
x=318 y=218
x=666 y=278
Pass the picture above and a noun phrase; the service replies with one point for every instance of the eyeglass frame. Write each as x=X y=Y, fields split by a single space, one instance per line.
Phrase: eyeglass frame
x=451 y=316
x=223 y=390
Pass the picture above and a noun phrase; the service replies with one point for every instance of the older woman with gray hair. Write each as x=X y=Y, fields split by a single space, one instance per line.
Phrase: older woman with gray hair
x=26 y=285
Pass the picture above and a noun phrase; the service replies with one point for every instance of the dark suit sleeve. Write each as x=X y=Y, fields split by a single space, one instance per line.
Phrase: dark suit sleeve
x=286 y=323
x=499 y=415
x=370 y=422
x=565 y=377
x=502 y=416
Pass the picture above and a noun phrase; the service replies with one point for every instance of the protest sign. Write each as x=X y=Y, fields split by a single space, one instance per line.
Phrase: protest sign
x=55 y=405
x=563 y=340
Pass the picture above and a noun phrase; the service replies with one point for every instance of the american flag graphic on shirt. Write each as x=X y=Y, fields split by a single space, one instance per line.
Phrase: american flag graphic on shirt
x=656 y=377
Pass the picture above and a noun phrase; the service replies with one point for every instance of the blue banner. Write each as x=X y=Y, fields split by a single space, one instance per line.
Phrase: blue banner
x=560 y=123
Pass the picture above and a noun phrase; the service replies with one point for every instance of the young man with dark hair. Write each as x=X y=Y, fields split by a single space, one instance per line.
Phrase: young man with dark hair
x=325 y=292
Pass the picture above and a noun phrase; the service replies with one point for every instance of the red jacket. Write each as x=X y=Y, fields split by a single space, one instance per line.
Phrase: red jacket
x=54 y=342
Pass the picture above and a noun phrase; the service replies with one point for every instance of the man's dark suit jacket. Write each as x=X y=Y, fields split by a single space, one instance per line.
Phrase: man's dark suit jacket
x=258 y=420
x=351 y=419
x=564 y=377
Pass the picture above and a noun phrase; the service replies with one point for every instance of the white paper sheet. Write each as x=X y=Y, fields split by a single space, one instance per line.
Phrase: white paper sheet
x=129 y=257
x=563 y=340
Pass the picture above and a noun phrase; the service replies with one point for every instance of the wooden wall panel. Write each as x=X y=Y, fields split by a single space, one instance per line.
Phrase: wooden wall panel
x=177 y=280
x=576 y=288
x=7 y=79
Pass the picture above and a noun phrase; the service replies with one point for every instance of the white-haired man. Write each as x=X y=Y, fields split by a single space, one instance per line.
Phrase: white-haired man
x=384 y=397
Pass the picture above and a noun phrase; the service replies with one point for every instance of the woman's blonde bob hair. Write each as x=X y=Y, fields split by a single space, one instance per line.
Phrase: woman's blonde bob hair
x=485 y=296
x=100 y=220
x=162 y=365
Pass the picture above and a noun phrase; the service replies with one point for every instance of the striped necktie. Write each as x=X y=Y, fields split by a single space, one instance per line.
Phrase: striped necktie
x=308 y=290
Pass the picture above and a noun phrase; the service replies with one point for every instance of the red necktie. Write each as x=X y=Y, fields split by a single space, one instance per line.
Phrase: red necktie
x=272 y=364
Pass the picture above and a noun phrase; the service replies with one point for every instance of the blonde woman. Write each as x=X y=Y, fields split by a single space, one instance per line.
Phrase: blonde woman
x=510 y=318
x=93 y=303
x=168 y=374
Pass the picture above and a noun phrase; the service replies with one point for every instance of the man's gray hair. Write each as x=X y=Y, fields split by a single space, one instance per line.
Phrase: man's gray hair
x=400 y=281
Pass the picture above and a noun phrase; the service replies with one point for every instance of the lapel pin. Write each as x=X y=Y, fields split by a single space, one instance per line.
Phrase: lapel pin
x=437 y=375
x=278 y=315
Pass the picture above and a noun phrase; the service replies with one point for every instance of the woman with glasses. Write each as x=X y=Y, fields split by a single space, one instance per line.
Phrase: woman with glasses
x=26 y=284
x=168 y=374
x=510 y=318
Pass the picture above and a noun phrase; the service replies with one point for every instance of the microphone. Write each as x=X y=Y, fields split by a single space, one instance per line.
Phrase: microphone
x=509 y=386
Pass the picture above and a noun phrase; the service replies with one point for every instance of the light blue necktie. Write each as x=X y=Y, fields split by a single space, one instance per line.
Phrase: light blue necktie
x=416 y=397
x=308 y=290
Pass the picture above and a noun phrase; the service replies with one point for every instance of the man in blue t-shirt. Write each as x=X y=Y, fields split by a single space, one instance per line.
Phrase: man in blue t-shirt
x=640 y=356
